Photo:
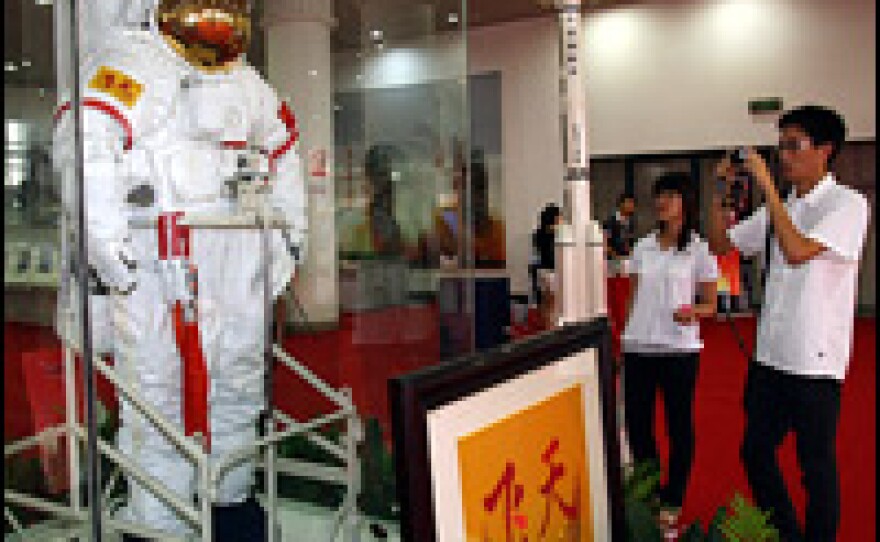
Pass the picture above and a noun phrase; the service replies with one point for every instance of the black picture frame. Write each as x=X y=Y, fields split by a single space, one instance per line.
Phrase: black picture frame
x=414 y=395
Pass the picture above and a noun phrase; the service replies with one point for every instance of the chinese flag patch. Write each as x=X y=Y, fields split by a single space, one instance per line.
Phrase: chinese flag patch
x=117 y=84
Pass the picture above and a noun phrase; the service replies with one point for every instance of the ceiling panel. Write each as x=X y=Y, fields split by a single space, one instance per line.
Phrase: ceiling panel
x=27 y=38
x=28 y=27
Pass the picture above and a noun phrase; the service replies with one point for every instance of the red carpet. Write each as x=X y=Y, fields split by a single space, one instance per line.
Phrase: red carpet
x=371 y=348
x=717 y=471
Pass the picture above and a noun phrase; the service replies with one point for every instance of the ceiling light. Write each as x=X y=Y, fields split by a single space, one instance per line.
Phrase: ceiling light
x=25 y=63
x=10 y=67
x=313 y=73
x=453 y=18
x=43 y=2
x=376 y=34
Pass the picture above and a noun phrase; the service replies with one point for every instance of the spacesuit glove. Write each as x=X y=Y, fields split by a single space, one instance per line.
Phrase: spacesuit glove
x=115 y=269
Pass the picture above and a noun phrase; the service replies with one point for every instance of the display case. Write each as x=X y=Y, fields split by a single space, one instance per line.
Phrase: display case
x=215 y=264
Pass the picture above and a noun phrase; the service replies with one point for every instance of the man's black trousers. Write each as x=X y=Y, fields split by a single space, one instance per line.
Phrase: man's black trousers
x=775 y=404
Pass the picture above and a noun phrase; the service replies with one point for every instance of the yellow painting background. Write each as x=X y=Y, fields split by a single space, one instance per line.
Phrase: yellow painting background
x=521 y=439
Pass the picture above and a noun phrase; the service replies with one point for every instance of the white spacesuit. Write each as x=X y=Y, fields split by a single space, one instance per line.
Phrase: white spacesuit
x=171 y=117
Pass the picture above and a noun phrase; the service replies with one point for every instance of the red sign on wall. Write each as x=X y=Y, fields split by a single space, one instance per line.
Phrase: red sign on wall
x=318 y=162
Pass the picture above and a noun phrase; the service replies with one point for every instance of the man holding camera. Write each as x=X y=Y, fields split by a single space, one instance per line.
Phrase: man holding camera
x=816 y=235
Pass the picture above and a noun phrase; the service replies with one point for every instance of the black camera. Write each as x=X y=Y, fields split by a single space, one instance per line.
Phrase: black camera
x=739 y=156
x=737 y=192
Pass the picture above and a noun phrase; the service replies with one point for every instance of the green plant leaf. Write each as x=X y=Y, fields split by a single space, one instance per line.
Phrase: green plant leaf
x=640 y=524
x=747 y=523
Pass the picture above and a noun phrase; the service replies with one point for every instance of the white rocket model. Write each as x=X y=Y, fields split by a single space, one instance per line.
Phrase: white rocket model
x=580 y=254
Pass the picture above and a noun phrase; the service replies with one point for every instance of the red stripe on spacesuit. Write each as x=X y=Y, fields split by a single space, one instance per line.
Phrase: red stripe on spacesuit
x=286 y=116
x=180 y=238
x=195 y=376
x=174 y=243
x=107 y=109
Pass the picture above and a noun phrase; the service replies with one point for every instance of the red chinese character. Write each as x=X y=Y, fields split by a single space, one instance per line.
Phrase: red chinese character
x=549 y=491
x=511 y=491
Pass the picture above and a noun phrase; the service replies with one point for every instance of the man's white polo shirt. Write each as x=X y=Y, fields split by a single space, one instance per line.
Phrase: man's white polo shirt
x=806 y=323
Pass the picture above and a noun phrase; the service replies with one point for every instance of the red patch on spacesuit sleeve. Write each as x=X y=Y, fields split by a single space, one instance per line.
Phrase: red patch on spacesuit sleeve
x=108 y=110
x=286 y=116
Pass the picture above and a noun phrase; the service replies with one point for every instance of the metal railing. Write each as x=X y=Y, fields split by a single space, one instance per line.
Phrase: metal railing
x=207 y=475
x=278 y=426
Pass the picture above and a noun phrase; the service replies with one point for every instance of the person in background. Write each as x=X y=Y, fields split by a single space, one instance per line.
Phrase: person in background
x=620 y=233
x=543 y=268
x=487 y=232
x=377 y=233
x=806 y=326
x=671 y=267
x=729 y=287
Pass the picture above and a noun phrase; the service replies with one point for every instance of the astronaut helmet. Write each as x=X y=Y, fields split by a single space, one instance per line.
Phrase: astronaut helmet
x=210 y=34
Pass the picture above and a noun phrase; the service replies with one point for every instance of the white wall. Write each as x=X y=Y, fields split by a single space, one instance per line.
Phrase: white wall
x=672 y=75
x=678 y=75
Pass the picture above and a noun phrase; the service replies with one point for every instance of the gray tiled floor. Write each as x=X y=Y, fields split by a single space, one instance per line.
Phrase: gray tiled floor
x=299 y=523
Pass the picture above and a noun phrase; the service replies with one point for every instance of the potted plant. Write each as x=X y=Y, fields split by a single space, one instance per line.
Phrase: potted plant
x=737 y=521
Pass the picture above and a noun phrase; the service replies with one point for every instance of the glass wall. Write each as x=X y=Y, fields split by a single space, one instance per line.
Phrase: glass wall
x=388 y=284
x=44 y=470
x=393 y=241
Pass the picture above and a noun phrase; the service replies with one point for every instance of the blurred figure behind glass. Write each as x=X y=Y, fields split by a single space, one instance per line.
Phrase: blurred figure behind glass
x=620 y=234
x=542 y=270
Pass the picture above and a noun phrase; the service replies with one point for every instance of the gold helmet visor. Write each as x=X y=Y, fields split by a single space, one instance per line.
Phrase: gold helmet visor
x=209 y=34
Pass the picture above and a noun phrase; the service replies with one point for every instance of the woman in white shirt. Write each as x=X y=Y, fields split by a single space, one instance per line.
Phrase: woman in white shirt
x=661 y=342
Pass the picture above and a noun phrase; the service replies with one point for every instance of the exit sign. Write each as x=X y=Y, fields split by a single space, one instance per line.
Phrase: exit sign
x=765 y=105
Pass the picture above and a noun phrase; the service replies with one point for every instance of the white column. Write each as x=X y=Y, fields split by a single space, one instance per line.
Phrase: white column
x=299 y=67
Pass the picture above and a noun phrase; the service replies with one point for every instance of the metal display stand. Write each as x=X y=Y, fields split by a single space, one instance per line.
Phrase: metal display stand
x=277 y=426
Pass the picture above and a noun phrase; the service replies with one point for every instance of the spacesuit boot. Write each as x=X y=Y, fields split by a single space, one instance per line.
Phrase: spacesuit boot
x=240 y=522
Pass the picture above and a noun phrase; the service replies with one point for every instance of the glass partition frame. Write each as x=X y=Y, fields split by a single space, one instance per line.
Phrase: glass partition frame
x=412 y=323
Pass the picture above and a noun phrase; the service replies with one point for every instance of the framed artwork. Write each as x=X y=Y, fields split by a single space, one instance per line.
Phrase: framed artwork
x=515 y=444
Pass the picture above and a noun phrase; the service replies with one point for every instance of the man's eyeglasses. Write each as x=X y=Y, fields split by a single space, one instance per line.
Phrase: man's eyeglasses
x=794 y=145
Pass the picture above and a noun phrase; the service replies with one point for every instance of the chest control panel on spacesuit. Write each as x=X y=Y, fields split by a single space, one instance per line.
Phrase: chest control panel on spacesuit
x=250 y=183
